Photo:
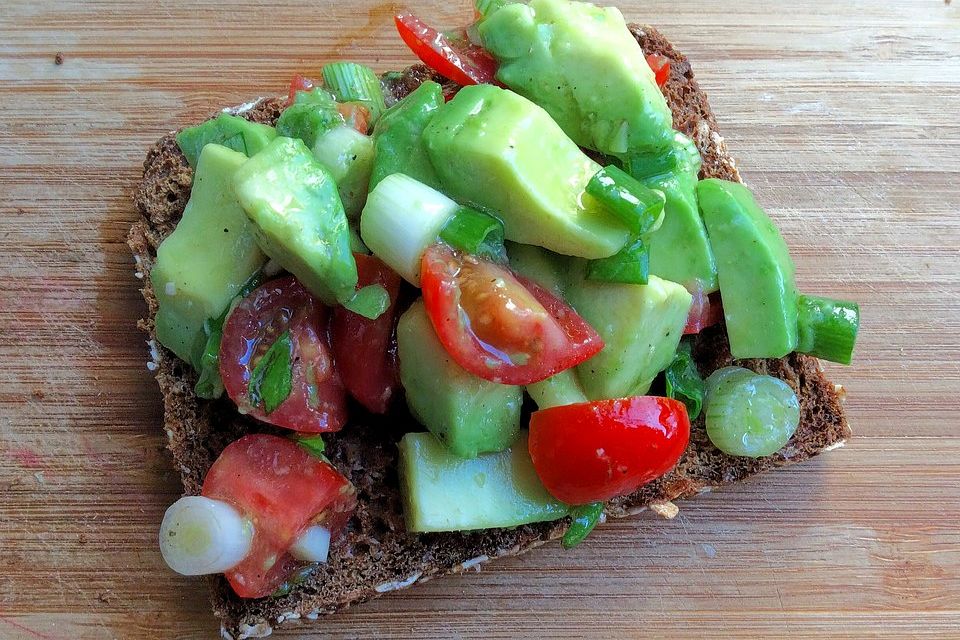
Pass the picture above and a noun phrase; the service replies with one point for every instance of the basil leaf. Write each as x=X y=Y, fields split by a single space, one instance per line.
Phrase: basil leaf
x=683 y=380
x=370 y=301
x=314 y=445
x=271 y=379
x=585 y=518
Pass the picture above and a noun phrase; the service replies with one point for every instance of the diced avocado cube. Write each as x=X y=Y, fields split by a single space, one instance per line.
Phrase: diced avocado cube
x=298 y=218
x=641 y=326
x=203 y=264
x=231 y=131
x=348 y=156
x=443 y=492
x=468 y=414
x=558 y=390
x=499 y=152
x=547 y=269
x=581 y=63
x=755 y=270
x=399 y=137
x=312 y=114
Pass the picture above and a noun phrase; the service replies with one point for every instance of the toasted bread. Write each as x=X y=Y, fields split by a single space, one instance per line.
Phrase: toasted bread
x=377 y=555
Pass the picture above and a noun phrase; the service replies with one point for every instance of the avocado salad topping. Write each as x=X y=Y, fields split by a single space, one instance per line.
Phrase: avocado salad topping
x=533 y=231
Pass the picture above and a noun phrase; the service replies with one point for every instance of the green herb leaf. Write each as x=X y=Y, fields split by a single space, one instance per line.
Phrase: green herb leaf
x=296 y=578
x=370 y=301
x=585 y=518
x=683 y=380
x=271 y=380
x=313 y=444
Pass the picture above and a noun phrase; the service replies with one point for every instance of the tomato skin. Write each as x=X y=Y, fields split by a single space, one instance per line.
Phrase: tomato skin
x=356 y=115
x=706 y=311
x=299 y=83
x=498 y=326
x=464 y=63
x=283 y=490
x=599 y=450
x=365 y=350
x=317 y=402
x=661 y=68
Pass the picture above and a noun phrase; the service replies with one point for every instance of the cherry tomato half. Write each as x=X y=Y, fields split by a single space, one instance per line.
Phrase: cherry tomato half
x=366 y=350
x=661 y=68
x=460 y=61
x=497 y=325
x=598 y=450
x=283 y=490
x=317 y=400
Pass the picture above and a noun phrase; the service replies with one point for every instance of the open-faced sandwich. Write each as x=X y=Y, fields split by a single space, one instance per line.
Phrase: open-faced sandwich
x=405 y=324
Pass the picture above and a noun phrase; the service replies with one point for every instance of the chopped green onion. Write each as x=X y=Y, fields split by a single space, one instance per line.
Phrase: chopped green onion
x=476 y=233
x=680 y=157
x=827 y=328
x=312 y=114
x=638 y=207
x=486 y=7
x=370 y=301
x=351 y=82
x=314 y=445
x=683 y=380
x=585 y=518
x=209 y=385
x=401 y=220
x=630 y=266
x=271 y=379
x=749 y=414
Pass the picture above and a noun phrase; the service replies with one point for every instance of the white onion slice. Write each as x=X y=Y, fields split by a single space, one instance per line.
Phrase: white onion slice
x=200 y=536
x=313 y=545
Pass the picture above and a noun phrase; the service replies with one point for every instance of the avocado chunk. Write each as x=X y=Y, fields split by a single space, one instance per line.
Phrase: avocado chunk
x=502 y=153
x=558 y=390
x=442 y=492
x=228 y=130
x=312 y=114
x=547 y=269
x=348 y=156
x=468 y=414
x=641 y=326
x=755 y=271
x=398 y=137
x=298 y=218
x=679 y=250
x=203 y=264
x=580 y=63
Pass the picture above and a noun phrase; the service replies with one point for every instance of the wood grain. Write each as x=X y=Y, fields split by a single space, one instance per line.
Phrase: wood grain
x=844 y=119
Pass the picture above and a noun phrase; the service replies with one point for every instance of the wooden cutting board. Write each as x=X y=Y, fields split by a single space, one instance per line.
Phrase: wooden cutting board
x=844 y=117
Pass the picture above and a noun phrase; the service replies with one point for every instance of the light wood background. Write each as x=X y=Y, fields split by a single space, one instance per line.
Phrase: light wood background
x=844 y=117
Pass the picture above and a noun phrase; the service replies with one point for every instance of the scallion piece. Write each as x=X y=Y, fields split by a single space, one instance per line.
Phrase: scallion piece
x=827 y=328
x=370 y=301
x=475 y=232
x=683 y=380
x=630 y=266
x=636 y=206
x=351 y=82
x=585 y=518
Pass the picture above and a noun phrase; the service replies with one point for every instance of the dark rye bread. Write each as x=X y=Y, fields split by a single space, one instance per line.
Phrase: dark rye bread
x=377 y=555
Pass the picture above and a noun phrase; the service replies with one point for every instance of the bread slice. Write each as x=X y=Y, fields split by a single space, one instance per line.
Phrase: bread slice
x=377 y=555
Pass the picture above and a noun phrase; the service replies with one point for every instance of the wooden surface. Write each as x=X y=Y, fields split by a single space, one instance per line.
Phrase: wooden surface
x=843 y=116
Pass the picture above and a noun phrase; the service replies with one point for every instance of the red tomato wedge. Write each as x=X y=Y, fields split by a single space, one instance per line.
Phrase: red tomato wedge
x=366 y=350
x=497 y=325
x=706 y=311
x=317 y=400
x=661 y=68
x=283 y=490
x=462 y=62
x=356 y=115
x=599 y=450
x=299 y=83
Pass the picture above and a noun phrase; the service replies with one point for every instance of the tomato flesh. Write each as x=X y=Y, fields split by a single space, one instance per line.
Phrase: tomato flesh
x=599 y=450
x=356 y=115
x=497 y=325
x=299 y=83
x=706 y=311
x=317 y=400
x=365 y=350
x=462 y=62
x=283 y=490
x=661 y=68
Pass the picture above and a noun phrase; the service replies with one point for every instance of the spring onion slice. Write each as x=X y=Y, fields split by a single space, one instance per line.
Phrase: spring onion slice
x=683 y=381
x=370 y=301
x=630 y=266
x=475 y=232
x=200 y=536
x=827 y=328
x=585 y=518
x=351 y=82
x=636 y=206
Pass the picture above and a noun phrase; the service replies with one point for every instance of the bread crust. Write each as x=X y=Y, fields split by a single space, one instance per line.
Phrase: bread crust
x=377 y=555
